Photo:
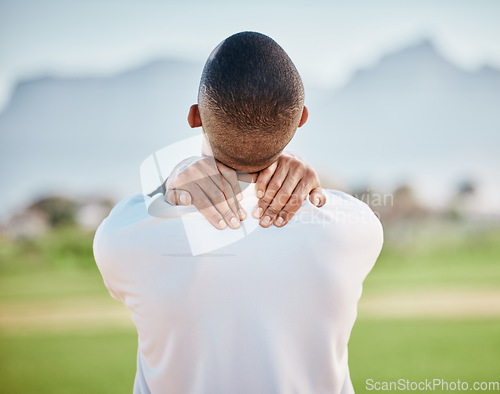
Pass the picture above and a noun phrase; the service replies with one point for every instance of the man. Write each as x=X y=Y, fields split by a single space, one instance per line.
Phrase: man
x=272 y=312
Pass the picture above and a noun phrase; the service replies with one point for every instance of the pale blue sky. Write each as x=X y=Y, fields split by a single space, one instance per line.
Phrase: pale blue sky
x=326 y=39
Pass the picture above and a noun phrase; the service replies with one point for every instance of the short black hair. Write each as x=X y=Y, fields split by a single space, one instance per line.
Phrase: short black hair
x=251 y=97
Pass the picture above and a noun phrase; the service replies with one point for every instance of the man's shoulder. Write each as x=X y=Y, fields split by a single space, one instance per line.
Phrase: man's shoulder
x=340 y=198
x=356 y=228
x=131 y=219
x=138 y=206
x=128 y=210
x=128 y=202
x=343 y=203
x=350 y=213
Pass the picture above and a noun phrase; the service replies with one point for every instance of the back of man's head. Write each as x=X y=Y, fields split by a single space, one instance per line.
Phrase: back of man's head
x=251 y=101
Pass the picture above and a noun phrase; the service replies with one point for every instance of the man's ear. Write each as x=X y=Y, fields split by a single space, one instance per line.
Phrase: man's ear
x=303 y=119
x=194 y=119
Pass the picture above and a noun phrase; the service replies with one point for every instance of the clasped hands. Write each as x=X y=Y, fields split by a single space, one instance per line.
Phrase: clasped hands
x=214 y=190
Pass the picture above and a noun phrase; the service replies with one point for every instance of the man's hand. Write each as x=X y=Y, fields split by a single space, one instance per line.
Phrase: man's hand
x=211 y=187
x=214 y=190
x=283 y=187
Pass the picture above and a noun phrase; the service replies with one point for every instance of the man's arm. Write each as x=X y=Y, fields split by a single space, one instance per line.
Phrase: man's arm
x=214 y=190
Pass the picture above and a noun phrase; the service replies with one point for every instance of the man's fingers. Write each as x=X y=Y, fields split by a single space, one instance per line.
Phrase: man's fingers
x=205 y=207
x=213 y=216
x=222 y=195
x=228 y=215
x=293 y=204
x=263 y=179
x=231 y=176
x=283 y=218
x=226 y=205
x=231 y=182
x=232 y=201
x=178 y=197
x=271 y=190
x=214 y=189
x=299 y=195
x=280 y=200
x=317 y=197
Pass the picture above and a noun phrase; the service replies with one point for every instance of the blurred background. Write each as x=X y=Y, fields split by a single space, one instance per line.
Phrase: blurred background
x=404 y=102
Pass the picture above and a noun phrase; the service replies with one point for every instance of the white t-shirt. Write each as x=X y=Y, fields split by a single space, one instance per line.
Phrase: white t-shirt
x=268 y=313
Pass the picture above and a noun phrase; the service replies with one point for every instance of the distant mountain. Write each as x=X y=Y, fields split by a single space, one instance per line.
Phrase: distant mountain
x=413 y=115
x=86 y=134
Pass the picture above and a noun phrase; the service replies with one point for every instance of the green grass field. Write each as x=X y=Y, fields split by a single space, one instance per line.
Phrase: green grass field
x=74 y=362
x=56 y=276
x=104 y=362
x=419 y=349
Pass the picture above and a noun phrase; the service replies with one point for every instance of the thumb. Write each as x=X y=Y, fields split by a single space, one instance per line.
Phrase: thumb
x=317 y=197
x=178 y=197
